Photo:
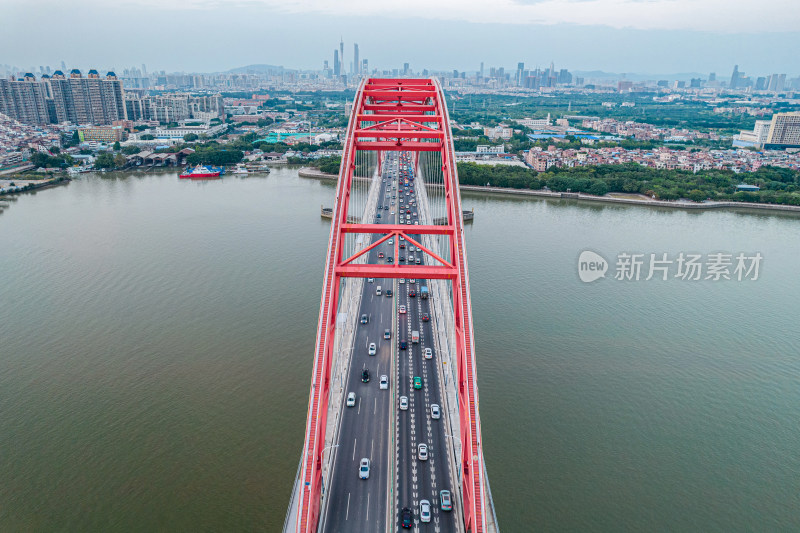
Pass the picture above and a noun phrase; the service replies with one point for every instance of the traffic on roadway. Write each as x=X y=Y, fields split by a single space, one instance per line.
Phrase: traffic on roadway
x=391 y=459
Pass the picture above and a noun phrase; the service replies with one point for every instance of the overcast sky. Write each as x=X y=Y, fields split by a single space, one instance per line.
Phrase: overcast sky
x=634 y=36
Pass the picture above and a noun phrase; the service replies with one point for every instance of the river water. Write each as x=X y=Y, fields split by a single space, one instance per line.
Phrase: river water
x=156 y=338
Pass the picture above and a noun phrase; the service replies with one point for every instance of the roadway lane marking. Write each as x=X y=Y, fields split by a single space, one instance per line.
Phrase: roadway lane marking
x=347 y=514
x=354 y=450
x=375 y=407
x=368 y=506
x=359 y=407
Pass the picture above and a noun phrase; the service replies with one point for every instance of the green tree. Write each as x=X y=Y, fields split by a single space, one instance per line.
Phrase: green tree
x=130 y=150
x=147 y=137
x=189 y=137
x=116 y=146
x=120 y=161
x=696 y=195
x=104 y=160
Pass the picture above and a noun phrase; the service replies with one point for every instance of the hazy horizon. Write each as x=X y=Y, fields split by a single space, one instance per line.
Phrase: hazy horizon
x=214 y=36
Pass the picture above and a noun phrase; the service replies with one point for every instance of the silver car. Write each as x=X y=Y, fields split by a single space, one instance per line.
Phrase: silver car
x=363 y=469
x=351 y=399
x=422 y=452
x=424 y=511
x=436 y=413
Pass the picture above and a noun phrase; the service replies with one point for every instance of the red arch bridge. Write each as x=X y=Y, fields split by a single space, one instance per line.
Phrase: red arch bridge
x=393 y=430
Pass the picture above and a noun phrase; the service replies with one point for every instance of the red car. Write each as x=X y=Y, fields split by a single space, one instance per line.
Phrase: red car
x=425 y=317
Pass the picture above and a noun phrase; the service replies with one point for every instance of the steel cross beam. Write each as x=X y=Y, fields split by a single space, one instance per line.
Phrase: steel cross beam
x=400 y=108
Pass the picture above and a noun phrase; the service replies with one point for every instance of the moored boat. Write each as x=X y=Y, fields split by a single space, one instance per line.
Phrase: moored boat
x=201 y=172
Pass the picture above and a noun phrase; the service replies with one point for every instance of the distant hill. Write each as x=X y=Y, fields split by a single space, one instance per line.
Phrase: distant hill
x=259 y=69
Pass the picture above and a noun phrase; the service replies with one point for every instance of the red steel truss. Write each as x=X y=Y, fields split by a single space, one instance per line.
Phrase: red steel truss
x=408 y=115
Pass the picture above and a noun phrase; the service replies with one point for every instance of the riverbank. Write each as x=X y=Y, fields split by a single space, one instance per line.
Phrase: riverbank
x=20 y=186
x=308 y=172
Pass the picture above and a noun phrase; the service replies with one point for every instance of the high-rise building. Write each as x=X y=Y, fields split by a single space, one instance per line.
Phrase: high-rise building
x=356 y=64
x=712 y=76
x=90 y=100
x=481 y=71
x=735 y=77
x=784 y=131
x=520 y=70
x=776 y=83
x=405 y=69
x=341 y=56
x=337 y=69
x=364 y=67
x=24 y=100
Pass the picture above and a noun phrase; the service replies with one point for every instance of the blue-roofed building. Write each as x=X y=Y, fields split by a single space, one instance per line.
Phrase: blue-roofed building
x=747 y=187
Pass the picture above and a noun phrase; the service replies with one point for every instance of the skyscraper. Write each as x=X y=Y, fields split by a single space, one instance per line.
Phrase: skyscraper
x=520 y=70
x=784 y=130
x=735 y=77
x=341 y=56
x=356 y=64
x=481 y=73
x=90 y=100
x=24 y=100
x=405 y=69
x=336 y=66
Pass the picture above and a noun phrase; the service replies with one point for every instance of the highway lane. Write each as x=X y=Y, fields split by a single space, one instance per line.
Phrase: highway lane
x=418 y=480
x=354 y=504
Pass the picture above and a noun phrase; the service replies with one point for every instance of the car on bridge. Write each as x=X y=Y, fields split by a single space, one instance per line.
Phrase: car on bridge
x=425 y=317
x=406 y=518
x=381 y=255
x=363 y=468
x=402 y=310
x=365 y=375
x=417 y=382
x=445 y=500
x=351 y=399
x=424 y=511
x=364 y=319
x=384 y=382
x=436 y=413
x=422 y=451
x=387 y=334
x=372 y=350
x=428 y=353
x=412 y=293
x=404 y=403
x=388 y=293
x=403 y=345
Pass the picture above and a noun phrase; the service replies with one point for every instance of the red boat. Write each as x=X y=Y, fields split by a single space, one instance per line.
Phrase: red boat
x=201 y=172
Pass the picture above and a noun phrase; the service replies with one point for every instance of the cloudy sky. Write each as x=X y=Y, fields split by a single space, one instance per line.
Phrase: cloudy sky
x=634 y=36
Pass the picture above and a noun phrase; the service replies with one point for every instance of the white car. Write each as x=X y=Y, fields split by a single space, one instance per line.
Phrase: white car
x=416 y=224
x=402 y=238
x=404 y=403
x=422 y=452
x=363 y=468
x=384 y=382
x=370 y=280
x=428 y=353
x=391 y=241
x=402 y=281
x=402 y=309
x=372 y=348
x=410 y=248
x=436 y=413
x=412 y=280
x=351 y=399
x=424 y=511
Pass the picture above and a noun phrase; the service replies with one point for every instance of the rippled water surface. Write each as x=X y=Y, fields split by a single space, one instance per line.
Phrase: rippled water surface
x=156 y=339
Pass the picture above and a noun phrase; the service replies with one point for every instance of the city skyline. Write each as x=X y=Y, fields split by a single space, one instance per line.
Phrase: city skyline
x=459 y=44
